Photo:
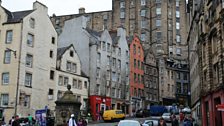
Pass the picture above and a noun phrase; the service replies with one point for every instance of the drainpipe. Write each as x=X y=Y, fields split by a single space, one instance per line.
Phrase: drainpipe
x=18 y=72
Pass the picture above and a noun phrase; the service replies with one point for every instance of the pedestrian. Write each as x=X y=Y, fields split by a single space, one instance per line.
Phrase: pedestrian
x=16 y=121
x=162 y=122
x=11 y=121
x=84 y=122
x=30 y=120
x=174 y=121
x=80 y=122
x=72 y=121
x=187 y=121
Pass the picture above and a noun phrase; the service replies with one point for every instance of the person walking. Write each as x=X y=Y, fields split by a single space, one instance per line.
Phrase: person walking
x=174 y=121
x=11 y=121
x=72 y=121
x=30 y=120
x=162 y=122
x=16 y=121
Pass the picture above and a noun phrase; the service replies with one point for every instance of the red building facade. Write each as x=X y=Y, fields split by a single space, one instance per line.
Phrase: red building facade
x=136 y=74
x=99 y=103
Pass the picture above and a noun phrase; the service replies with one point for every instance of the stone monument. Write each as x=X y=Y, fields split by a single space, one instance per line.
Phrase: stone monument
x=65 y=106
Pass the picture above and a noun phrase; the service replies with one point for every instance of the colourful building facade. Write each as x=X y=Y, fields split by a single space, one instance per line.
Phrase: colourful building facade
x=136 y=74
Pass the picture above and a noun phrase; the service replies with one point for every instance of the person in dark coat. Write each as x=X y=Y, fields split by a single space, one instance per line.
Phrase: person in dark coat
x=16 y=121
x=174 y=121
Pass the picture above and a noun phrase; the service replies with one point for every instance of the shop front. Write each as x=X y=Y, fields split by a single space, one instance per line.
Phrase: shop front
x=98 y=105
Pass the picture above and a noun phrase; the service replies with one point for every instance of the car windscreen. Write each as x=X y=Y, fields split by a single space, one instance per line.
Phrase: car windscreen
x=129 y=124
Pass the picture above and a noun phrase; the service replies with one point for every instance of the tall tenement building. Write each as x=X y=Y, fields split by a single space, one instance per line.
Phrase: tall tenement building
x=162 y=25
x=159 y=24
x=207 y=41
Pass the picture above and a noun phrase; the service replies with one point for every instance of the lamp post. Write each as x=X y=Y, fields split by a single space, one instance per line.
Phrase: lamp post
x=17 y=83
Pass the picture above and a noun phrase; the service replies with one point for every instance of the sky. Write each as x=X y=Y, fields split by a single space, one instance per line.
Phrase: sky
x=60 y=7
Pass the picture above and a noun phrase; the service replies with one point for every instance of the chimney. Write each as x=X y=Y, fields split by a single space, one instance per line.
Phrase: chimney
x=82 y=10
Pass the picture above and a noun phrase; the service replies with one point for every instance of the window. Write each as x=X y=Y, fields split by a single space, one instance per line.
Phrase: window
x=97 y=89
x=158 y=22
x=108 y=60
x=185 y=76
x=113 y=92
x=135 y=63
x=74 y=83
x=168 y=88
x=51 y=54
x=118 y=77
x=178 y=51
x=26 y=101
x=4 y=99
x=134 y=49
x=177 y=3
x=143 y=3
x=108 y=74
x=158 y=11
x=60 y=80
x=178 y=38
x=104 y=46
x=30 y=40
x=122 y=14
x=80 y=84
x=143 y=23
x=53 y=40
x=143 y=36
x=122 y=4
x=71 y=53
x=135 y=77
x=139 y=66
x=71 y=67
x=178 y=75
x=29 y=60
x=158 y=1
x=127 y=54
x=143 y=13
x=114 y=62
x=5 y=78
x=50 y=92
x=98 y=72
x=159 y=36
x=98 y=58
x=32 y=22
x=178 y=14
x=7 y=58
x=119 y=51
x=52 y=75
x=119 y=64
x=9 y=35
x=85 y=84
x=114 y=78
x=108 y=47
x=177 y=25
x=66 y=81
x=28 y=79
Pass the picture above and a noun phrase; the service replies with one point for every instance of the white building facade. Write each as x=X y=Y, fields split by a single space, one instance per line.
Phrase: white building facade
x=28 y=55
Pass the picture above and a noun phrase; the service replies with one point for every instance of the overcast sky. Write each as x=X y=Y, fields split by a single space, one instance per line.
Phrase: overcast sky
x=60 y=7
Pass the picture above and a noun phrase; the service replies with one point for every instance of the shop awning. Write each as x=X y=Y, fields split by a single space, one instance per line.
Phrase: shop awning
x=220 y=107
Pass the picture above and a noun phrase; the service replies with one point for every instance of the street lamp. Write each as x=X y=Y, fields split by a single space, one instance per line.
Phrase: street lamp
x=17 y=83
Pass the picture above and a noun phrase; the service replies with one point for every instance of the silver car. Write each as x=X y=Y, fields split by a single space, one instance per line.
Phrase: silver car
x=167 y=117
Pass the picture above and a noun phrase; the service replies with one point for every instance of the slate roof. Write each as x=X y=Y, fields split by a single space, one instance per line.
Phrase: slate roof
x=93 y=32
x=114 y=37
x=15 y=17
x=61 y=51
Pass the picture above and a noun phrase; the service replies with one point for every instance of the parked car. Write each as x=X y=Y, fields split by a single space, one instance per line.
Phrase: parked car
x=148 y=122
x=113 y=115
x=167 y=117
x=129 y=123
x=142 y=113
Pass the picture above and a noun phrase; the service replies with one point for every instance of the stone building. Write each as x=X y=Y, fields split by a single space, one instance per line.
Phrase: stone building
x=105 y=59
x=209 y=49
x=160 y=24
x=136 y=74
x=195 y=9
x=28 y=55
x=68 y=71
x=151 y=79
